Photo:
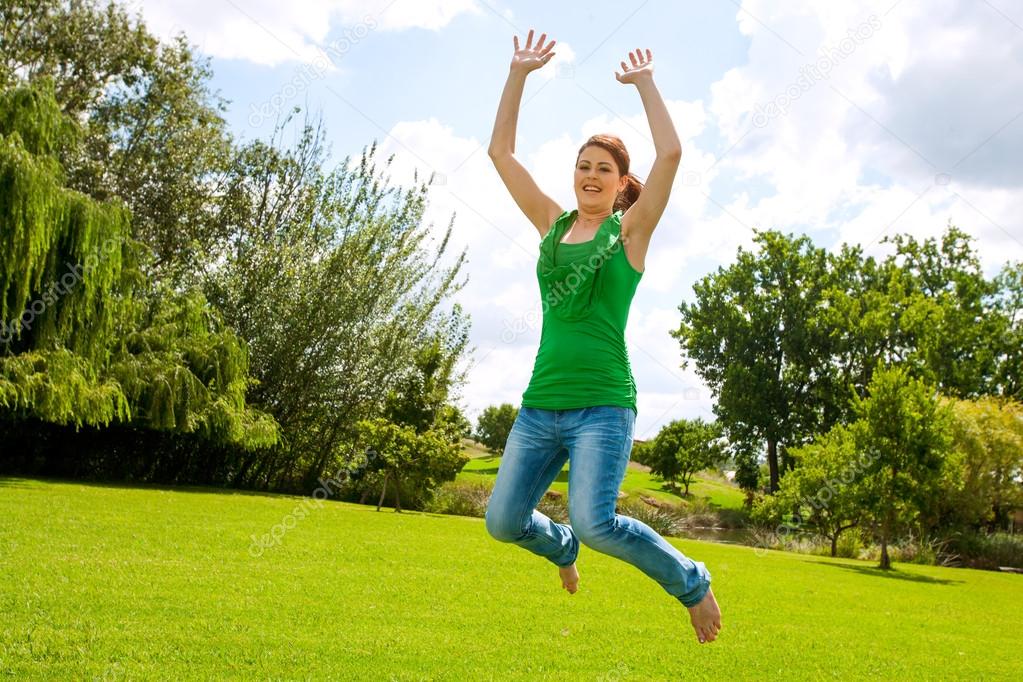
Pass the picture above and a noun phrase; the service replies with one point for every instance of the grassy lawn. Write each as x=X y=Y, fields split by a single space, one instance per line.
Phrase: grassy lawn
x=638 y=481
x=110 y=582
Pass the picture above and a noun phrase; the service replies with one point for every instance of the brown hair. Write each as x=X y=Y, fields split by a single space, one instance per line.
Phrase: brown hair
x=616 y=148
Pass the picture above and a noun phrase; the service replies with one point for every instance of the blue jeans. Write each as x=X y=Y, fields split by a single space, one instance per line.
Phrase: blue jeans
x=597 y=442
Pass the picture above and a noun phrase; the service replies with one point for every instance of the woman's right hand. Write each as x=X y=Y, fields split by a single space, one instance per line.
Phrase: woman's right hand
x=530 y=58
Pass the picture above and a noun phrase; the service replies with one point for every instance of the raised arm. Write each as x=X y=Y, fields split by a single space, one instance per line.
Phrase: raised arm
x=641 y=218
x=539 y=208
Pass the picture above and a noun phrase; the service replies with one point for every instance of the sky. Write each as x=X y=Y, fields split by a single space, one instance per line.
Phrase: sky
x=846 y=122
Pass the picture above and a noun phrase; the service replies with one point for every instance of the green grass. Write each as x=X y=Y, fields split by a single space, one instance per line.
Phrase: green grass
x=720 y=493
x=109 y=582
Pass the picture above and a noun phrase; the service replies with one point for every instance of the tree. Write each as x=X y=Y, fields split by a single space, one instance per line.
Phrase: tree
x=988 y=448
x=82 y=47
x=494 y=424
x=404 y=461
x=822 y=490
x=949 y=328
x=421 y=391
x=455 y=420
x=1009 y=305
x=684 y=448
x=903 y=436
x=781 y=335
x=330 y=278
x=153 y=132
x=340 y=296
x=754 y=335
x=87 y=340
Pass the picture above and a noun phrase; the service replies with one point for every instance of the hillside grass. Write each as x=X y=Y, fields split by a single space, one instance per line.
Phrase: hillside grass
x=638 y=481
x=115 y=582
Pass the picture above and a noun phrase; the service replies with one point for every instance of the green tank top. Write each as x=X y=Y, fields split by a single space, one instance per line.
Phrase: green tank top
x=586 y=290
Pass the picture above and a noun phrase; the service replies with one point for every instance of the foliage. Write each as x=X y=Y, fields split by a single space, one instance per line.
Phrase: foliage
x=782 y=334
x=754 y=337
x=903 y=437
x=331 y=280
x=820 y=494
x=95 y=343
x=413 y=464
x=988 y=448
x=494 y=424
x=153 y=133
x=684 y=448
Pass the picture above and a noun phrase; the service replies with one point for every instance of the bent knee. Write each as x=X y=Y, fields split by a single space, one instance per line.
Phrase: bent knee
x=593 y=532
x=503 y=527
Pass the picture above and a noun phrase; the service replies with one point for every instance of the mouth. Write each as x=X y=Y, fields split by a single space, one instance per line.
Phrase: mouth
x=592 y=189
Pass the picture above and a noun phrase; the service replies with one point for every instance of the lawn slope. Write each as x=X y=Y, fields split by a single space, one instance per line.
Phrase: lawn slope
x=112 y=582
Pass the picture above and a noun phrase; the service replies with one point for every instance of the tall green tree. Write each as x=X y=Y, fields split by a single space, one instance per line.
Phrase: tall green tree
x=87 y=340
x=153 y=132
x=904 y=437
x=754 y=334
x=331 y=279
x=950 y=329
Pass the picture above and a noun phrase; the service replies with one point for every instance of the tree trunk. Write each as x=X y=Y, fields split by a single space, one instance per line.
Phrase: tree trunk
x=397 y=493
x=886 y=561
x=772 y=463
x=834 y=545
x=383 y=490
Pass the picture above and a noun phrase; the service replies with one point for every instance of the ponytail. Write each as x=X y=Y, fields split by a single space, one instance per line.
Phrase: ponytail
x=627 y=197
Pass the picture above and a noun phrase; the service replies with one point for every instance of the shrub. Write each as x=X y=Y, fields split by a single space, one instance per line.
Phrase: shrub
x=980 y=550
x=464 y=498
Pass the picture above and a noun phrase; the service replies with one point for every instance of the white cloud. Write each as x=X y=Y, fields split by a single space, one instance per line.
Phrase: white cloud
x=270 y=33
x=886 y=107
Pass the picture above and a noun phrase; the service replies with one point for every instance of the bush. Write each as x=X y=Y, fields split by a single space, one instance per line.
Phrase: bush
x=980 y=550
x=666 y=519
x=555 y=506
x=849 y=544
x=463 y=498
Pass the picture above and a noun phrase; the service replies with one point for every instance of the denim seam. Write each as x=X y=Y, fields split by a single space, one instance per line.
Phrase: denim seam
x=643 y=537
x=702 y=590
x=529 y=532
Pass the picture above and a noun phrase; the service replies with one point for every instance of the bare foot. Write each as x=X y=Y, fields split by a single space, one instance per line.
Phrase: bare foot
x=706 y=618
x=569 y=578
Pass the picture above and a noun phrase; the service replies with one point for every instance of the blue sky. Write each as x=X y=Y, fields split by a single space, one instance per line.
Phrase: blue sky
x=842 y=121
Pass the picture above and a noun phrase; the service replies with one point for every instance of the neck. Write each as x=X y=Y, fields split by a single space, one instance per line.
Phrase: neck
x=587 y=216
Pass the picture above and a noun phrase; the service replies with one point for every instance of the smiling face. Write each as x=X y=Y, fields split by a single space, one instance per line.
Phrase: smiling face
x=597 y=180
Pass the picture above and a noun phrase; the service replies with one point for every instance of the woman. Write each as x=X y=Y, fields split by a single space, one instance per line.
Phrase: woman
x=580 y=404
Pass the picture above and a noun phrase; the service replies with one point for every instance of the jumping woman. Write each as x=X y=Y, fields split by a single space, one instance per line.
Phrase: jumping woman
x=580 y=404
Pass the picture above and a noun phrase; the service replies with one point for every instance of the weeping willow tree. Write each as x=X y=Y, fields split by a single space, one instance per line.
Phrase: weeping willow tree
x=86 y=341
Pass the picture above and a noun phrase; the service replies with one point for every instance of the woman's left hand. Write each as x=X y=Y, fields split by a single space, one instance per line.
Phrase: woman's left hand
x=642 y=67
